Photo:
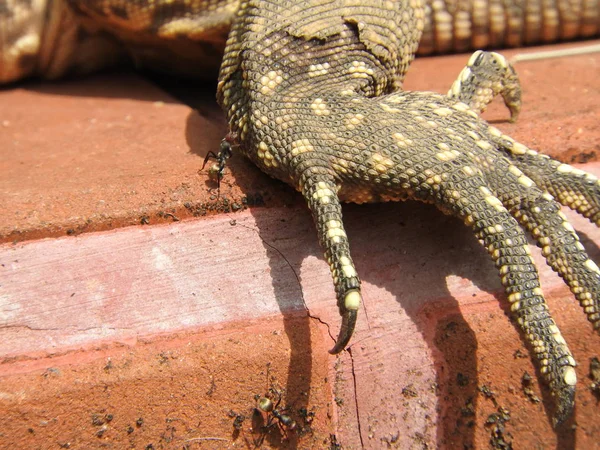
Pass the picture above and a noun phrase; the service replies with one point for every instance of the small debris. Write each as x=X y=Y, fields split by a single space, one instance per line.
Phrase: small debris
x=469 y=409
x=487 y=391
x=519 y=354
x=238 y=419
x=499 y=438
x=51 y=372
x=462 y=379
x=98 y=420
x=526 y=383
x=333 y=443
x=409 y=391
x=595 y=376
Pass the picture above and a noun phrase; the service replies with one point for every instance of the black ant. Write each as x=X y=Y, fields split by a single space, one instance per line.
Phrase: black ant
x=224 y=154
x=274 y=415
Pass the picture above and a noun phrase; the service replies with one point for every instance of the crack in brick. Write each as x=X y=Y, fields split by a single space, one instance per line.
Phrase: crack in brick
x=271 y=246
x=360 y=433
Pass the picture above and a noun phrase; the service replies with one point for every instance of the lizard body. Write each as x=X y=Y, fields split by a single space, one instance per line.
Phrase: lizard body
x=53 y=38
x=313 y=92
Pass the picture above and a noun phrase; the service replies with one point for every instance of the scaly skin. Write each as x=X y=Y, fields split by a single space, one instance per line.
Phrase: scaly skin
x=53 y=38
x=311 y=91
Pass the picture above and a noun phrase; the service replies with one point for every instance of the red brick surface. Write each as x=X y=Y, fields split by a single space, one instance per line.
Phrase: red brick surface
x=176 y=324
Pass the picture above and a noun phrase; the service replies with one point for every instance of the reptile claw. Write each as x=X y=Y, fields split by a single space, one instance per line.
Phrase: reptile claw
x=564 y=405
x=346 y=330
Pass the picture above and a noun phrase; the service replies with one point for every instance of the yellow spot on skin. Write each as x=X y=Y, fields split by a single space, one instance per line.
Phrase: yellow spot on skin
x=515 y=171
x=455 y=89
x=352 y=300
x=394 y=98
x=485 y=145
x=357 y=118
x=301 y=146
x=333 y=232
x=270 y=81
x=468 y=170
x=401 y=140
x=443 y=112
x=319 y=107
x=525 y=181
x=382 y=163
x=378 y=157
x=347 y=267
x=447 y=155
x=460 y=106
x=465 y=74
x=495 y=131
x=323 y=194
x=501 y=60
x=592 y=266
x=518 y=149
x=388 y=108
x=353 y=120
x=265 y=155
x=315 y=70
x=491 y=199
x=358 y=69
x=564 y=168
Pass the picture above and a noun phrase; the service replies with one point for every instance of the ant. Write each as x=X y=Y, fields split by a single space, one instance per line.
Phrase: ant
x=275 y=416
x=224 y=154
x=265 y=404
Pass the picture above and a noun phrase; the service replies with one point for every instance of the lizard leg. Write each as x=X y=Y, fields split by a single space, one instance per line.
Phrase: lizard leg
x=563 y=251
x=486 y=75
x=320 y=193
x=505 y=241
x=540 y=214
x=572 y=187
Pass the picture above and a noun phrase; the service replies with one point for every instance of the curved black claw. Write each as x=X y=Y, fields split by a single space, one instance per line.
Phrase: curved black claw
x=565 y=402
x=346 y=330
